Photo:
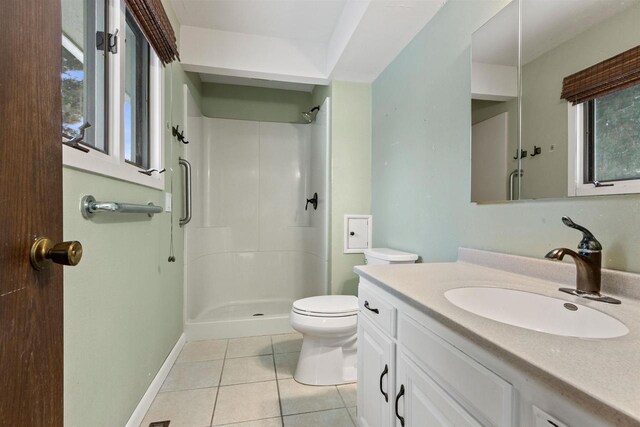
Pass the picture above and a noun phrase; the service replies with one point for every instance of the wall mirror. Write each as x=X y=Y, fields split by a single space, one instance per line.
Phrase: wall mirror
x=556 y=100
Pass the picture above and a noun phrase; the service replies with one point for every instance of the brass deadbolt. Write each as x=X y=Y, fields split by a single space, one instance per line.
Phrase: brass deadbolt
x=44 y=252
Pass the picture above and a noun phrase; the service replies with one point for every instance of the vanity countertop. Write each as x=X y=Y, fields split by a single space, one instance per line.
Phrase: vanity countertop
x=600 y=374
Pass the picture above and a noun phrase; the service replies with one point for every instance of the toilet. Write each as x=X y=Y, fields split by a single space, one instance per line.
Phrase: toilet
x=329 y=325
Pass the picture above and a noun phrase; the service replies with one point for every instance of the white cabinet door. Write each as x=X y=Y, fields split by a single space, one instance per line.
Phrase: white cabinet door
x=376 y=369
x=421 y=402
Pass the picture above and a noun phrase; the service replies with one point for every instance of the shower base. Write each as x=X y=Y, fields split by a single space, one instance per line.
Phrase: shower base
x=241 y=319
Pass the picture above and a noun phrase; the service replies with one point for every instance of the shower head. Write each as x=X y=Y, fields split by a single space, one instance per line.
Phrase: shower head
x=310 y=115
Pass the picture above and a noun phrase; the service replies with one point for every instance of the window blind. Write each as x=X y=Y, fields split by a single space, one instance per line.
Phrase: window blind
x=612 y=75
x=152 y=19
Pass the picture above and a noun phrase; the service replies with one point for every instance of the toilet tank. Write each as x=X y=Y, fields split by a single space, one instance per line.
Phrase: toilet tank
x=375 y=256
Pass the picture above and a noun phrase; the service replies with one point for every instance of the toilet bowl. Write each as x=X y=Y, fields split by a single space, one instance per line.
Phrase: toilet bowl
x=328 y=325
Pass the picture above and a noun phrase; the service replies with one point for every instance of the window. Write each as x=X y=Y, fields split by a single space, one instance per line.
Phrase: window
x=604 y=137
x=112 y=80
x=84 y=71
x=612 y=137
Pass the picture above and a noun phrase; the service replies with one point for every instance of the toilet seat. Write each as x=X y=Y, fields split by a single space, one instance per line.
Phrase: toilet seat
x=327 y=306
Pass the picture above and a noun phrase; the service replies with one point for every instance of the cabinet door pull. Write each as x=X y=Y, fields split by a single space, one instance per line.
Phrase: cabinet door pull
x=385 y=372
x=400 y=394
x=375 y=310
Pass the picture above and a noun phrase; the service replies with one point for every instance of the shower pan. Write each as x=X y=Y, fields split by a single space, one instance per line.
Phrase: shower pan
x=251 y=248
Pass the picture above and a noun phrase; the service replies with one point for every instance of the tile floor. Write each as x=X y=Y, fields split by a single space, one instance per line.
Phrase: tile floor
x=248 y=382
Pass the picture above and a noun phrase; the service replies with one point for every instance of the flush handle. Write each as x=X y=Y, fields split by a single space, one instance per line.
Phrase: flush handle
x=44 y=252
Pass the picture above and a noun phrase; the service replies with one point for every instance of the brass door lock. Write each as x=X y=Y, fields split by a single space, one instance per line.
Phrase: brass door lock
x=44 y=252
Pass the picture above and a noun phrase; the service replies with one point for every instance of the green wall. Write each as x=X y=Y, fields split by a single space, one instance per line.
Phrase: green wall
x=123 y=302
x=254 y=103
x=421 y=162
x=350 y=174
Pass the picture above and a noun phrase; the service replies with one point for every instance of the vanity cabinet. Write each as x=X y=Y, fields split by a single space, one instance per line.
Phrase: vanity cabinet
x=408 y=376
x=415 y=372
x=376 y=375
x=420 y=401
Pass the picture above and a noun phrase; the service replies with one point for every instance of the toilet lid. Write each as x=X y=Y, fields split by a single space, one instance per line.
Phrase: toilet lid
x=327 y=305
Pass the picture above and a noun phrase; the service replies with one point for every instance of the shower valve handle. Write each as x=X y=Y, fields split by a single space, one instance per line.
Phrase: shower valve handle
x=313 y=201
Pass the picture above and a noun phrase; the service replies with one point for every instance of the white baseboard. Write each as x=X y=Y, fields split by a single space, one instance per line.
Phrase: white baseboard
x=154 y=387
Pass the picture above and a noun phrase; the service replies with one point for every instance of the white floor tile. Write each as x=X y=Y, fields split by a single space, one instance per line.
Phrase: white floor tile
x=246 y=402
x=199 y=351
x=248 y=395
x=251 y=346
x=331 y=418
x=190 y=408
x=248 y=370
x=354 y=414
x=286 y=364
x=348 y=392
x=287 y=343
x=187 y=376
x=271 y=422
x=298 y=398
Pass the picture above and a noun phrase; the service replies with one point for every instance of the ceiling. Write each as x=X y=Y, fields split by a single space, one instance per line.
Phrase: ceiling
x=546 y=24
x=309 y=20
x=296 y=44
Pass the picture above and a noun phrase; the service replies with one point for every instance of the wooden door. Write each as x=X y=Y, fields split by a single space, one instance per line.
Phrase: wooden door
x=375 y=376
x=30 y=206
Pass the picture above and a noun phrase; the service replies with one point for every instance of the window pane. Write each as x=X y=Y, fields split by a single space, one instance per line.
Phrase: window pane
x=617 y=135
x=83 y=70
x=136 y=97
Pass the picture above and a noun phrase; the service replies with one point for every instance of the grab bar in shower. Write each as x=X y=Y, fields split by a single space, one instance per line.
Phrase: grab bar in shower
x=187 y=191
x=89 y=206
x=512 y=176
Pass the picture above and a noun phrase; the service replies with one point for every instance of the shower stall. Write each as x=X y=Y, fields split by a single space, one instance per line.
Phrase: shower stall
x=254 y=244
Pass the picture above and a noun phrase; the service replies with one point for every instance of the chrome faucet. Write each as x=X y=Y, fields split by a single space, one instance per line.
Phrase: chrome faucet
x=588 y=261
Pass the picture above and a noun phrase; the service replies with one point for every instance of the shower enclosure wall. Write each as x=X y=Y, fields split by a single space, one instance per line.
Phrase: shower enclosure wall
x=251 y=247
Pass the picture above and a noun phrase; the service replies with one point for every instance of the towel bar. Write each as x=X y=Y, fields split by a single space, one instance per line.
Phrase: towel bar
x=89 y=206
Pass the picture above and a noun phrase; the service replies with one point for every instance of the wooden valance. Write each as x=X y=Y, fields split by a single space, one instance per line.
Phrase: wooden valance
x=154 y=23
x=611 y=75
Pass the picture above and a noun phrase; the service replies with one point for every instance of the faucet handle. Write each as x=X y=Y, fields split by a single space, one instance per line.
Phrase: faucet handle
x=589 y=242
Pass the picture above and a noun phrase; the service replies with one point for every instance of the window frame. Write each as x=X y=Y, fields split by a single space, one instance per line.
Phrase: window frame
x=89 y=93
x=142 y=89
x=579 y=160
x=114 y=164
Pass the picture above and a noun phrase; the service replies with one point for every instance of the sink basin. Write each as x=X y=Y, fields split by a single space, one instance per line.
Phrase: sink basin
x=536 y=312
